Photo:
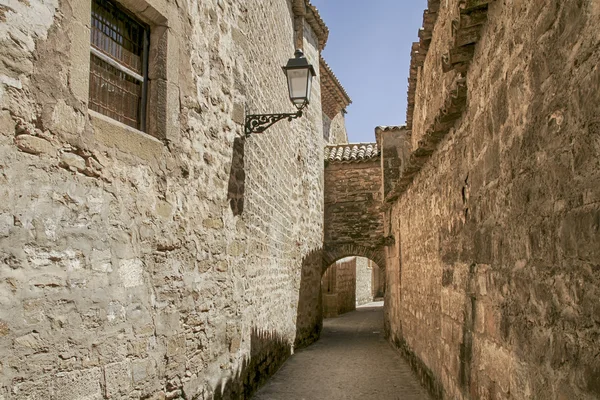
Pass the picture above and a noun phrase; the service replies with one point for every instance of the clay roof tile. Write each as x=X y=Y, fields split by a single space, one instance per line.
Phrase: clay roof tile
x=352 y=152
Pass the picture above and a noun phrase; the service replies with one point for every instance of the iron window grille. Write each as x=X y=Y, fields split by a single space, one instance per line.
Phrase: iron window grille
x=118 y=64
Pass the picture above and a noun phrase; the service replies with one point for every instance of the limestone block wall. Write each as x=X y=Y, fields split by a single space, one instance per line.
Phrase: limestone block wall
x=378 y=284
x=493 y=281
x=162 y=265
x=396 y=146
x=353 y=220
x=330 y=305
x=346 y=285
x=339 y=287
x=364 y=277
x=337 y=129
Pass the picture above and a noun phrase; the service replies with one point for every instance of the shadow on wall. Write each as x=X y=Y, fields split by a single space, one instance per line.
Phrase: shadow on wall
x=309 y=320
x=237 y=177
x=268 y=351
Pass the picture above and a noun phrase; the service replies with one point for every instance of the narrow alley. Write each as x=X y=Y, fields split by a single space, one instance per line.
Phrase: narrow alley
x=352 y=360
x=201 y=199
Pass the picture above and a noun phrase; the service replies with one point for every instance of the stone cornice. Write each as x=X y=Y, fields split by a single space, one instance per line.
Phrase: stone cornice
x=466 y=32
x=333 y=95
x=304 y=9
x=418 y=54
x=447 y=116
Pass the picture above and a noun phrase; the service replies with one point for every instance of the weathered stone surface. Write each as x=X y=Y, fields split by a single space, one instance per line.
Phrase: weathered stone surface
x=34 y=145
x=72 y=161
x=492 y=272
x=131 y=272
x=78 y=385
x=6 y=224
x=364 y=281
x=334 y=130
x=118 y=379
x=140 y=255
x=353 y=217
x=339 y=287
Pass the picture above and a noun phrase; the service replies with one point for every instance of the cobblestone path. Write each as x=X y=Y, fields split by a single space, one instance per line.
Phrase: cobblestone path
x=352 y=360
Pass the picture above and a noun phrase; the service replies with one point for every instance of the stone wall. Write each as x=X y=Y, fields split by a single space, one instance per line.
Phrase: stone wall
x=346 y=285
x=493 y=282
x=378 y=283
x=353 y=217
x=334 y=100
x=337 y=129
x=330 y=305
x=364 y=277
x=396 y=146
x=164 y=265
x=338 y=286
x=329 y=292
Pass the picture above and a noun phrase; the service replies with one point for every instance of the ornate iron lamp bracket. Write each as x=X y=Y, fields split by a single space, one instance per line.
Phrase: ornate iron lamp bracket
x=258 y=123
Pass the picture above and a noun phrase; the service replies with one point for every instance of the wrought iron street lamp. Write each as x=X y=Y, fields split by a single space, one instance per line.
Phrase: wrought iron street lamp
x=299 y=75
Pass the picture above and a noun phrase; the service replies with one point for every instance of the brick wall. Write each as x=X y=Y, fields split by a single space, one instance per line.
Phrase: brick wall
x=493 y=282
x=141 y=267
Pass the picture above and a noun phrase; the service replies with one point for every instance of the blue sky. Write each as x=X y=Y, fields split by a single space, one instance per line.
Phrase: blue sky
x=369 y=51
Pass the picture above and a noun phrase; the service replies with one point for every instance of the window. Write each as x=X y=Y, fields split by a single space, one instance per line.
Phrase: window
x=118 y=64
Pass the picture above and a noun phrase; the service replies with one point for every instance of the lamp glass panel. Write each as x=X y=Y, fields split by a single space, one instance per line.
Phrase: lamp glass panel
x=297 y=84
x=308 y=86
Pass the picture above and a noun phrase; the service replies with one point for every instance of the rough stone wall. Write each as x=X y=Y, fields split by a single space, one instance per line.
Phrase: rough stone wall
x=346 y=285
x=395 y=143
x=330 y=305
x=338 y=286
x=133 y=267
x=378 y=282
x=328 y=290
x=338 y=129
x=364 y=277
x=493 y=282
x=353 y=220
x=334 y=130
x=427 y=99
x=326 y=128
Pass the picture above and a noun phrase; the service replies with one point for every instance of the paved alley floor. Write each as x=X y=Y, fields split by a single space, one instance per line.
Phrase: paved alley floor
x=352 y=360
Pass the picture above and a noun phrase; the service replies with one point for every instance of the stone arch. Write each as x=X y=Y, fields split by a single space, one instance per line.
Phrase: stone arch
x=331 y=254
x=353 y=204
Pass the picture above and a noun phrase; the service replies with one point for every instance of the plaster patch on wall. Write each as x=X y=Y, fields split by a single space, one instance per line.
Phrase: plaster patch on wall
x=27 y=21
x=131 y=272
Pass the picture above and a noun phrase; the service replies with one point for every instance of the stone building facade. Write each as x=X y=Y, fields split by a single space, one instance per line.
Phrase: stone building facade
x=334 y=101
x=178 y=260
x=492 y=281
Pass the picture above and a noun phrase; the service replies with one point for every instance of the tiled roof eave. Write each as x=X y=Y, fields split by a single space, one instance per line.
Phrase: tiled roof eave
x=376 y=158
x=352 y=153
x=334 y=83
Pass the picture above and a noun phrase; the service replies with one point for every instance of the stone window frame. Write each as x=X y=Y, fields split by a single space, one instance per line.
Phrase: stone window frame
x=162 y=76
